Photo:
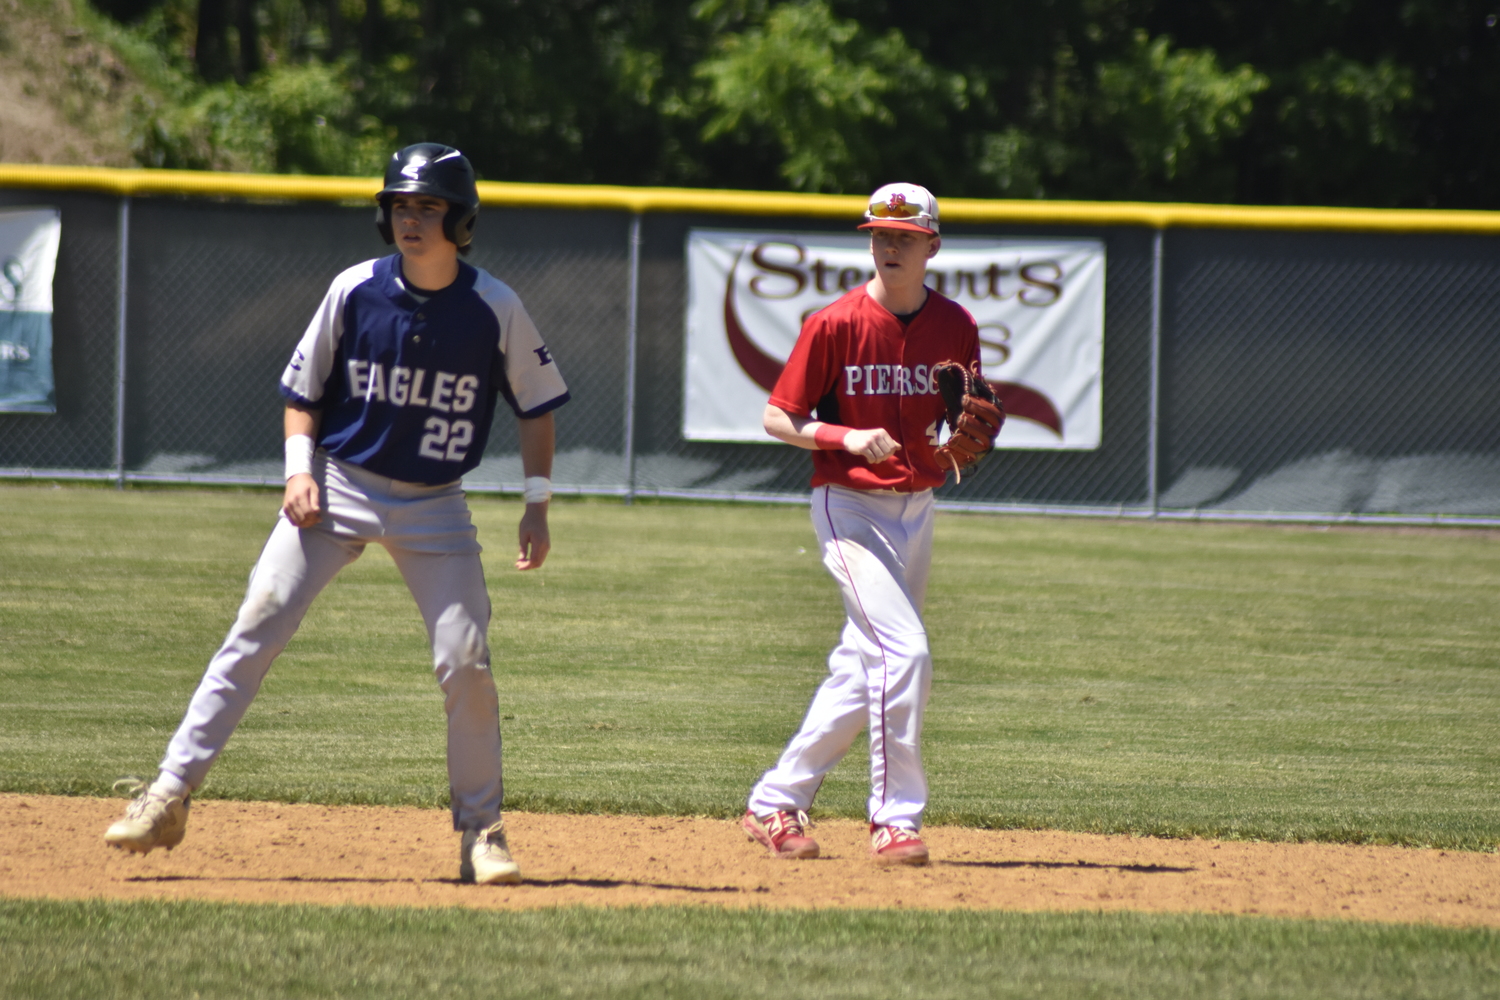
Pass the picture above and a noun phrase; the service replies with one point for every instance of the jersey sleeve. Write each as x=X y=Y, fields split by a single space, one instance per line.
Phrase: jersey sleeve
x=531 y=382
x=810 y=371
x=312 y=361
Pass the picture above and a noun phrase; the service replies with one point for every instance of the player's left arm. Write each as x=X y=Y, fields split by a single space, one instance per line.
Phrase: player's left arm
x=538 y=441
x=536 y=389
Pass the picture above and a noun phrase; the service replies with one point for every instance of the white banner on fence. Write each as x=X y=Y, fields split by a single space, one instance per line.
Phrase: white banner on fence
x=28 y=257
x=1039 y=305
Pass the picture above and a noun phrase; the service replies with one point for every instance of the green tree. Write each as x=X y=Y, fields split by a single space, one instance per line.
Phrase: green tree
x=1173 y=112
x=1343 y=124
x=1152 y=124
x=1362 y=102
x=824 y=89
x=1369 y=102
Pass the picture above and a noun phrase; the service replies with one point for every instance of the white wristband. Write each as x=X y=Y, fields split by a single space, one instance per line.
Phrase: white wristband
x=299 y=455
x=538 y=489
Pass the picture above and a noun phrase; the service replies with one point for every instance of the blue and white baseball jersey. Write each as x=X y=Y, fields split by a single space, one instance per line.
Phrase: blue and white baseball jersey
x=408 y=386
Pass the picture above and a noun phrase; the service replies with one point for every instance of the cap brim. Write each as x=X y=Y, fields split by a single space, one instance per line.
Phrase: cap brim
x=898 y=224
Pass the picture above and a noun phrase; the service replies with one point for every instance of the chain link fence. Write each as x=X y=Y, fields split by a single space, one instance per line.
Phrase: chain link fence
x=1301 y=374
x=1332 y=372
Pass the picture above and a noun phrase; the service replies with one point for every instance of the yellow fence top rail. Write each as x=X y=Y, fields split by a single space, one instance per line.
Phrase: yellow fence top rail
x=1154 y=215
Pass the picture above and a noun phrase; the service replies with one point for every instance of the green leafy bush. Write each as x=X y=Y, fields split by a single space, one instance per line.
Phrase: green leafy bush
x=288 y=119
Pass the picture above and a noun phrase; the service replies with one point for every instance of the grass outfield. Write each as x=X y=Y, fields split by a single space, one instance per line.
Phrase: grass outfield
x=1239 y=681
x=88 y=950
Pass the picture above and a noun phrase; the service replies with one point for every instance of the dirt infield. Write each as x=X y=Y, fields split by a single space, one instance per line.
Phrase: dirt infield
x=264 y=852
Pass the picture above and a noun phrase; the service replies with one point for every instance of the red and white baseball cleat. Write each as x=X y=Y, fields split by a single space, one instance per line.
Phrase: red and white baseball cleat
x=896 y=845
x=781 y=832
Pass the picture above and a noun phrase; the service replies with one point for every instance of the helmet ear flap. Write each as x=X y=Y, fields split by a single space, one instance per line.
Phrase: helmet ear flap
x=383 y=220
x=458 y=225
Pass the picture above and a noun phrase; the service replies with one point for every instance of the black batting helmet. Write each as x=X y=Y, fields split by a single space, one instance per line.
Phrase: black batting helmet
x=438 y=170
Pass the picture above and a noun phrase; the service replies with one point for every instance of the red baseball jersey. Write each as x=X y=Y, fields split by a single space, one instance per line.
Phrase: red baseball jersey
x=855 y=364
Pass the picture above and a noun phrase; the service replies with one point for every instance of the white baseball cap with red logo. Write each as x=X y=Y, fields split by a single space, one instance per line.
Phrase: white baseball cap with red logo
x=902 y=206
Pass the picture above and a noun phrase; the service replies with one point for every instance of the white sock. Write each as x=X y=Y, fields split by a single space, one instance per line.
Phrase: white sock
x=170 y=786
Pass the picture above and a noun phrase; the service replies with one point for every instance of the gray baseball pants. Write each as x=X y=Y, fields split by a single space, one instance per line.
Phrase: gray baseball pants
x=431 y=538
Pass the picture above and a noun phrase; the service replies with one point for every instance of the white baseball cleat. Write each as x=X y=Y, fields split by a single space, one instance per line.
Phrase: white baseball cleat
x=151 y=820
x=486 y=857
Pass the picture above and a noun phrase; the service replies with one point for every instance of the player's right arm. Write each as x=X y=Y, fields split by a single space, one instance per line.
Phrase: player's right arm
x=874 y=446
x=302 y=385
x=808 y=375
x=300 y=501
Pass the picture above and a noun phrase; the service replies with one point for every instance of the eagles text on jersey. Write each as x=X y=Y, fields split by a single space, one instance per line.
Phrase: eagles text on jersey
x=407 y=386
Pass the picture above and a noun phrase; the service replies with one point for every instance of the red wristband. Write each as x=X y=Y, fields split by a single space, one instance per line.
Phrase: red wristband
x=830 y=437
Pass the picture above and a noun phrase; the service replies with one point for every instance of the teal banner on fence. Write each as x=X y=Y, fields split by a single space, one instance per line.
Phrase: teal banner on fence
x=28 y=258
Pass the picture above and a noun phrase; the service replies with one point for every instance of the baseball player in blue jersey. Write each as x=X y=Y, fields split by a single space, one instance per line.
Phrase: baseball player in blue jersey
x=389 y=399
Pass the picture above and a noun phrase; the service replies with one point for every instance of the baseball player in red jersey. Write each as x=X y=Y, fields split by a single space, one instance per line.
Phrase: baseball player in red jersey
x=858 y=391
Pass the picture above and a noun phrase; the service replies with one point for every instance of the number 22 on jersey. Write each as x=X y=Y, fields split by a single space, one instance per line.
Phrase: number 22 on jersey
x=446 y=442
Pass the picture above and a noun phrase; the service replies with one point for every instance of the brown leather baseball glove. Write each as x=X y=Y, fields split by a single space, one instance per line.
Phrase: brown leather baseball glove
x=975 y=415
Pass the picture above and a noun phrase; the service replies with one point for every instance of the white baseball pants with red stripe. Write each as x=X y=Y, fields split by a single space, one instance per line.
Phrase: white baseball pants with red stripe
x=878 y=546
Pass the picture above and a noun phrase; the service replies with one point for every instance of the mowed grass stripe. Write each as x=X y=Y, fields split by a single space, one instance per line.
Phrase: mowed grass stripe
x=151 y=949
x=1223 y=680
